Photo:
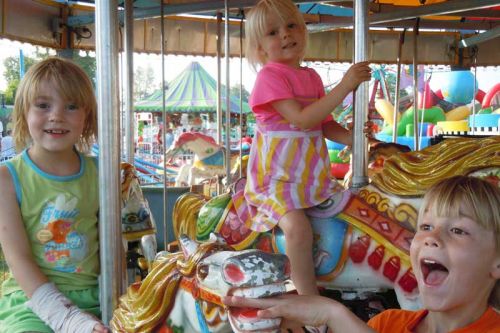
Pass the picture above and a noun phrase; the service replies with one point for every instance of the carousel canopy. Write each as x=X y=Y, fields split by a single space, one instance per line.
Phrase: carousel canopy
x=194 y=90
x=446 y=28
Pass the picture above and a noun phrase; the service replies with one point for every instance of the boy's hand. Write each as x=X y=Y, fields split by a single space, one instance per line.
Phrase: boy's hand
x=296 y=310
x=356 y=74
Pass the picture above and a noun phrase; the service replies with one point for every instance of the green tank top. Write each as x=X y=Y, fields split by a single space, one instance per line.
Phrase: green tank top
x=60 y=217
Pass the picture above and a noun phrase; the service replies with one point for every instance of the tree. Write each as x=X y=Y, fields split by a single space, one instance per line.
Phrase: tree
x=144 y=78
x=88 y=64
x=12 y=76
x=12 y=69
x=235 y=91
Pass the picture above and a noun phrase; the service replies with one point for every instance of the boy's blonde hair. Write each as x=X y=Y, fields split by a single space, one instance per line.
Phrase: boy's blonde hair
x=470 y=196
x=71 y=83
x=257 y=21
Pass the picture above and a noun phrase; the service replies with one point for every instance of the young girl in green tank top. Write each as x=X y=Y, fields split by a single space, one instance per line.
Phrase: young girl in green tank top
x=50 y=205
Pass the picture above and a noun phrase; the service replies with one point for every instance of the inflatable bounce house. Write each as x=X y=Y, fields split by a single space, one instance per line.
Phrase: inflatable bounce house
x=446 y=111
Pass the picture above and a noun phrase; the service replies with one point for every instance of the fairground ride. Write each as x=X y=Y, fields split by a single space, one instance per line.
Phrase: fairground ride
x=454 y=32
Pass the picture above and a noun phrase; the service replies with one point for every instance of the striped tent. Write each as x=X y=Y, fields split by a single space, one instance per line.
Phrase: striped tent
x=194 y=90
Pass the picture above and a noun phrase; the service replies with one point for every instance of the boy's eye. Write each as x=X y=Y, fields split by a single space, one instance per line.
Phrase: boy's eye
x=272 y=33
x=292 y=25
x=459 y=231
x=424 y=227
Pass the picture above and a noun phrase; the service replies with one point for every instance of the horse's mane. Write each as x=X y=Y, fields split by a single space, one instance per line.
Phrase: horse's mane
x=190 y=136
x=147 y=303
x=411 y=174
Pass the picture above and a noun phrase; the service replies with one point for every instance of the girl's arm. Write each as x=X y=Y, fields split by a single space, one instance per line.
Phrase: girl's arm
x=335 y=132
x=316 y=112
x=304 y=310
x=45 y=300
x=14 y=241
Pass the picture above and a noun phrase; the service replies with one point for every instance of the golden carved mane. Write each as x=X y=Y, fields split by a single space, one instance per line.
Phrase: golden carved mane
x=411 y=174
x=147 y=303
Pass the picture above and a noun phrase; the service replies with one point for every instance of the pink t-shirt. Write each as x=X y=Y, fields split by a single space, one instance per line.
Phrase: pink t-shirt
x=276 y=82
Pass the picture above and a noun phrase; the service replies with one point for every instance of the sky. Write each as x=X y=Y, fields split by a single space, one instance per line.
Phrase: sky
x=331 y=73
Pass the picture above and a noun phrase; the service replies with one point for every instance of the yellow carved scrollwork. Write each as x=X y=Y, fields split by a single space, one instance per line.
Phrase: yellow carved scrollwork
x=411 y=174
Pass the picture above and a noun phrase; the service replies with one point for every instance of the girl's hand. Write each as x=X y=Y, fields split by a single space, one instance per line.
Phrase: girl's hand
x=370 y=129
x=100 y=328
x=296 y=310
x=356 y=74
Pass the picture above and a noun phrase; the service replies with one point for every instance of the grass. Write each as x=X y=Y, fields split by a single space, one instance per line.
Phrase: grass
x=3 y=269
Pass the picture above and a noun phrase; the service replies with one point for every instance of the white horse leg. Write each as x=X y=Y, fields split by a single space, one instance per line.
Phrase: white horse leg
x=183 y=175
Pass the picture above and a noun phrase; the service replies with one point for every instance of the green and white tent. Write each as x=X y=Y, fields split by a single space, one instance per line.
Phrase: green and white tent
x=194 y=90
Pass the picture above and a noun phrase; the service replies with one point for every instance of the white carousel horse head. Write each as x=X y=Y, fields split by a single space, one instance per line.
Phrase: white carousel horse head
x=203 y=146
x=189 y=286
x=209 y=158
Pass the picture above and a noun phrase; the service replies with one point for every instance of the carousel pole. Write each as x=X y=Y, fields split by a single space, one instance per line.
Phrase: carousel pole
x=164 y=119
x=129 y=81
x=219 y=97
x=241 y=91
x=398 y=85
x=112 y=277
x=359 y=144
x=227 y=143
x=415 y=86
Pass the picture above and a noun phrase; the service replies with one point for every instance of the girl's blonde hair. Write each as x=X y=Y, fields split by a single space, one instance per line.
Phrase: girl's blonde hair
x=474 y=197
x=257 y=21
x=70 y=82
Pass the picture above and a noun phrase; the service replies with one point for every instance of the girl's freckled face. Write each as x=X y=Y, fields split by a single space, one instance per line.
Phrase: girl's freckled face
x=54 y=124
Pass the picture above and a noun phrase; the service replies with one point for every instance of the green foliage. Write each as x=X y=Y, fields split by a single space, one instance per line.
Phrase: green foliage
x=12 y=69
x=144 y=86
x=88 y=64
x=235 y=91
x=10 y=91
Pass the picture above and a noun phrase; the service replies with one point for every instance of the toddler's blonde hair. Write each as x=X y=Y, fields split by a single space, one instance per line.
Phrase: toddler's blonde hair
x=257 y=21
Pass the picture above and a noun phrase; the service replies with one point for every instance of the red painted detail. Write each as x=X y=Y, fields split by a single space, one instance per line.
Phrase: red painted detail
x=392 y=267
x=164 y=329
x=359 y=248
x=408 y=282
x=264 y=244
x=489 y=96
x=244 y=313
x=339 y=170
x=427 y=98
x=439 y=94
x=376 y=257
x=480 y=96
x=233 y=273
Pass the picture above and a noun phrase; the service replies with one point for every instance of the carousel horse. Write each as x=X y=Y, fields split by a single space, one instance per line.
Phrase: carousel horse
x=182 y=292
x=361 y=247
x=208 y=162
x=362 y=237
x=138 y=226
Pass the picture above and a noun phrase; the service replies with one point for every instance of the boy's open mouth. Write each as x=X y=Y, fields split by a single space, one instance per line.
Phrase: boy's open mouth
x=434 y=272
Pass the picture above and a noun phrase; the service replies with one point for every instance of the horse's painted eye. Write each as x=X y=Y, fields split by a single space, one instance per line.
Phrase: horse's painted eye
x=202 y=271
x=209 y=150
x=233 y=273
